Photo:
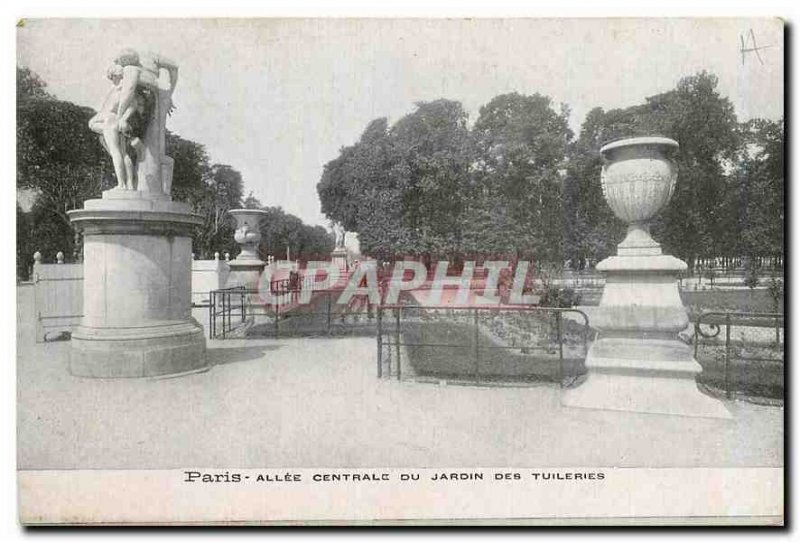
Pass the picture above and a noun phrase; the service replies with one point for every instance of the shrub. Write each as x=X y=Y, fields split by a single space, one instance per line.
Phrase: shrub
x=709 y=273
x=751 y=276
x=563 y=298
x=775 y=289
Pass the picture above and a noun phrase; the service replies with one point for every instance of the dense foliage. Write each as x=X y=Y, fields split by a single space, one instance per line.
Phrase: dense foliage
x=519 y=184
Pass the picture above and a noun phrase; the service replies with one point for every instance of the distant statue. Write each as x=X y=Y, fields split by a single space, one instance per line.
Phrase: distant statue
x=132 y=121
x=338 y=231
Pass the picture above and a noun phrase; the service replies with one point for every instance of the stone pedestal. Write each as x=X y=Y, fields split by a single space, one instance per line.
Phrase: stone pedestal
x=339 y=257
x=245 y=273
x=637 y=363
x=137 y=289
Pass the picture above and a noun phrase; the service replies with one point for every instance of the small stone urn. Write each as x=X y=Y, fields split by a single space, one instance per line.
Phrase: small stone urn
x=247 y=268
x=637 y=363
x=248 y=233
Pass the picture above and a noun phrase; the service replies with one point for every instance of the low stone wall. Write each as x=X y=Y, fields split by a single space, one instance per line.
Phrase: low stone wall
x=207 y=275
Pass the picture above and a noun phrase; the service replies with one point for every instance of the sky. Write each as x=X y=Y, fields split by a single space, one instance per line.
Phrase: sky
x=278 y=98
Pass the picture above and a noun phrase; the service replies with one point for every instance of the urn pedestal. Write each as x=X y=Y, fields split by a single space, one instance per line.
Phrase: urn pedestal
x=137 y=289
x=247 y=268
x=339 y=257
x=637 y=363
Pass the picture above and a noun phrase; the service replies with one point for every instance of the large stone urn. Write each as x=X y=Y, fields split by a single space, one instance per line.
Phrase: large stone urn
x=247 y=268
x=637 y=363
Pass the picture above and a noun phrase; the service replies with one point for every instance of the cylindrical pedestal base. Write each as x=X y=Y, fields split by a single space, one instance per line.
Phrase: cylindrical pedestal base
x=137 y=289
x=171 y=349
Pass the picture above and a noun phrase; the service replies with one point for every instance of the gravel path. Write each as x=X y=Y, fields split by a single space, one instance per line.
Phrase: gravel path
x=317 y=402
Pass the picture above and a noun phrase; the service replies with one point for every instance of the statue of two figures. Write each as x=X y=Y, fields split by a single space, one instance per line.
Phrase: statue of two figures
x=132 y=119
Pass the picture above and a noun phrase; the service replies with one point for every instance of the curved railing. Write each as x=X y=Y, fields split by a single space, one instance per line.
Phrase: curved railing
x=710 y=325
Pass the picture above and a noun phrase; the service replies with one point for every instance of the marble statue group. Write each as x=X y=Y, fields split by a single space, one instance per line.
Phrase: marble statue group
x=137 y=242
x=131 y=120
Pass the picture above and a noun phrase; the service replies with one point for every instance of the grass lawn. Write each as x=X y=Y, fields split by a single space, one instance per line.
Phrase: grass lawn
x=755 y=366
x=742 y=300
x=447 y=349
x=753 y=369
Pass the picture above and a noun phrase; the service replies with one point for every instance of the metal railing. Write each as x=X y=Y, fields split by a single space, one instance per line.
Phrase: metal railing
x=752 y=349
x=482 y=343
x=288 y=315
x=222 y=305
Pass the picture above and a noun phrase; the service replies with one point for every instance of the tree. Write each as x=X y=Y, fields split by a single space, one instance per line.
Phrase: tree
x=49 y=234
x=281 y=230
x=25 y=249
x=591 y=229
x=705 y=126
x=251 y=202
x=757 y=198
x=520 y=146
x=431 y=170
x=30 y=85
x=61 y=161
x=359 y=168
x=362 y=189
x=428 y=187
x=222 y=193
x=192 y=170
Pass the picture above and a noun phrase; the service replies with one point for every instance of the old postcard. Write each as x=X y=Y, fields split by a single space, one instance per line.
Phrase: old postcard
x=400 y=271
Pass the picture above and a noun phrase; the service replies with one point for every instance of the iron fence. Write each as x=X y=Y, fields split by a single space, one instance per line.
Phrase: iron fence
x=749 y=357
x=486 y=344
x=238 y=311
x=223 y=305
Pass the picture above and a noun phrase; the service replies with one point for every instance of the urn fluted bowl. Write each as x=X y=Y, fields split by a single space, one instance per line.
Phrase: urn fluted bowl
x=638 y=176
x=247 y=232
x=245 y=235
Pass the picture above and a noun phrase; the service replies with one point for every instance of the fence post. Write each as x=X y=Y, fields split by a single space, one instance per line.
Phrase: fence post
x=586 y=331
x=277 y=317
x=397 y=341
x=380 y=341
x=560 y=350
x=224 y=302
x=37 y=261
x=211 y=299
x=329 y=312
x=477 y=344
x=230 y=312
x=727 y=353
